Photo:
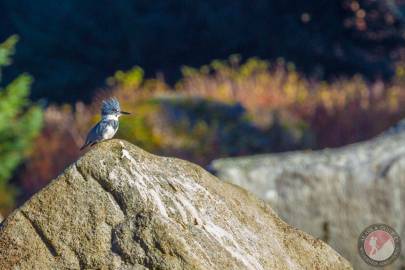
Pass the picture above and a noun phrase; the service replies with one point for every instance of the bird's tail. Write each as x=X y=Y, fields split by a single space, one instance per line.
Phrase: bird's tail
x=91 y=143
x=84 y=146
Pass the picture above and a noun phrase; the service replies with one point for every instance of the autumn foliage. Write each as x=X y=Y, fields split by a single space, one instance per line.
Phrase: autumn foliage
x=226 y=108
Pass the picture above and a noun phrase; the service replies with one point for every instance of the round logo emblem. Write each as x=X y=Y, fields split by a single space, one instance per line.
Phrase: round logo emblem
x=379 y=245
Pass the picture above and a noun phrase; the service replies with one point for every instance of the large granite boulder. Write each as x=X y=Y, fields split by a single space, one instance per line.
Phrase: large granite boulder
x=120 y=207
x=333 y=194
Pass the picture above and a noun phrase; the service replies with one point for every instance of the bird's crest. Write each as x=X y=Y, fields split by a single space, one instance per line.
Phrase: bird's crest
x=110 y=106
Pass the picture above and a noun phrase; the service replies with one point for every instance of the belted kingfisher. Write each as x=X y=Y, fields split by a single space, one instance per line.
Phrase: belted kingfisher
x=108 y=126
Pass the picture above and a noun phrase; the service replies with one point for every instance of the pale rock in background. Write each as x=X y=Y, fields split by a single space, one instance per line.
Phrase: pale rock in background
x=332 y=194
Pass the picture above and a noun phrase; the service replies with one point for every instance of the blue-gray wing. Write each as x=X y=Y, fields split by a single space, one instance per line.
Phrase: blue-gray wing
x=95 y=134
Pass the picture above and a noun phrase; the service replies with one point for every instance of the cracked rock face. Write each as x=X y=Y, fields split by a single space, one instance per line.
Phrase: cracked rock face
x=120 y=207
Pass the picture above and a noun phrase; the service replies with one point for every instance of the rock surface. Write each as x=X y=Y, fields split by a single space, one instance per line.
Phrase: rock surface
x=332 y=194
x=120 y=207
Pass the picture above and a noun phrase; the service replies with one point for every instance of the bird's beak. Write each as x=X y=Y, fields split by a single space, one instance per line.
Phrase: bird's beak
x=124 y=112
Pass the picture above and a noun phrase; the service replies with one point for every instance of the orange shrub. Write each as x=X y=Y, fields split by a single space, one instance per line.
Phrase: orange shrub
x=341 y=112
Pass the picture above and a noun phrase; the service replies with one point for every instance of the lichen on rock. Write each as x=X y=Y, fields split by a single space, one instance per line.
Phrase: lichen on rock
x=119 y=207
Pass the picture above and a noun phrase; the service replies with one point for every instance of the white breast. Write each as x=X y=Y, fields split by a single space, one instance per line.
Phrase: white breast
x=111 y=117
x=109 y=133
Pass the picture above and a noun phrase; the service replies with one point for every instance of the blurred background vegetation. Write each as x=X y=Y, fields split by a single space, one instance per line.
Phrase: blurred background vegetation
x=293 y=75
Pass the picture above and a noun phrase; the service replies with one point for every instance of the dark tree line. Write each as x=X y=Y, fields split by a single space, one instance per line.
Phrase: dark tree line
x=71 y=46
